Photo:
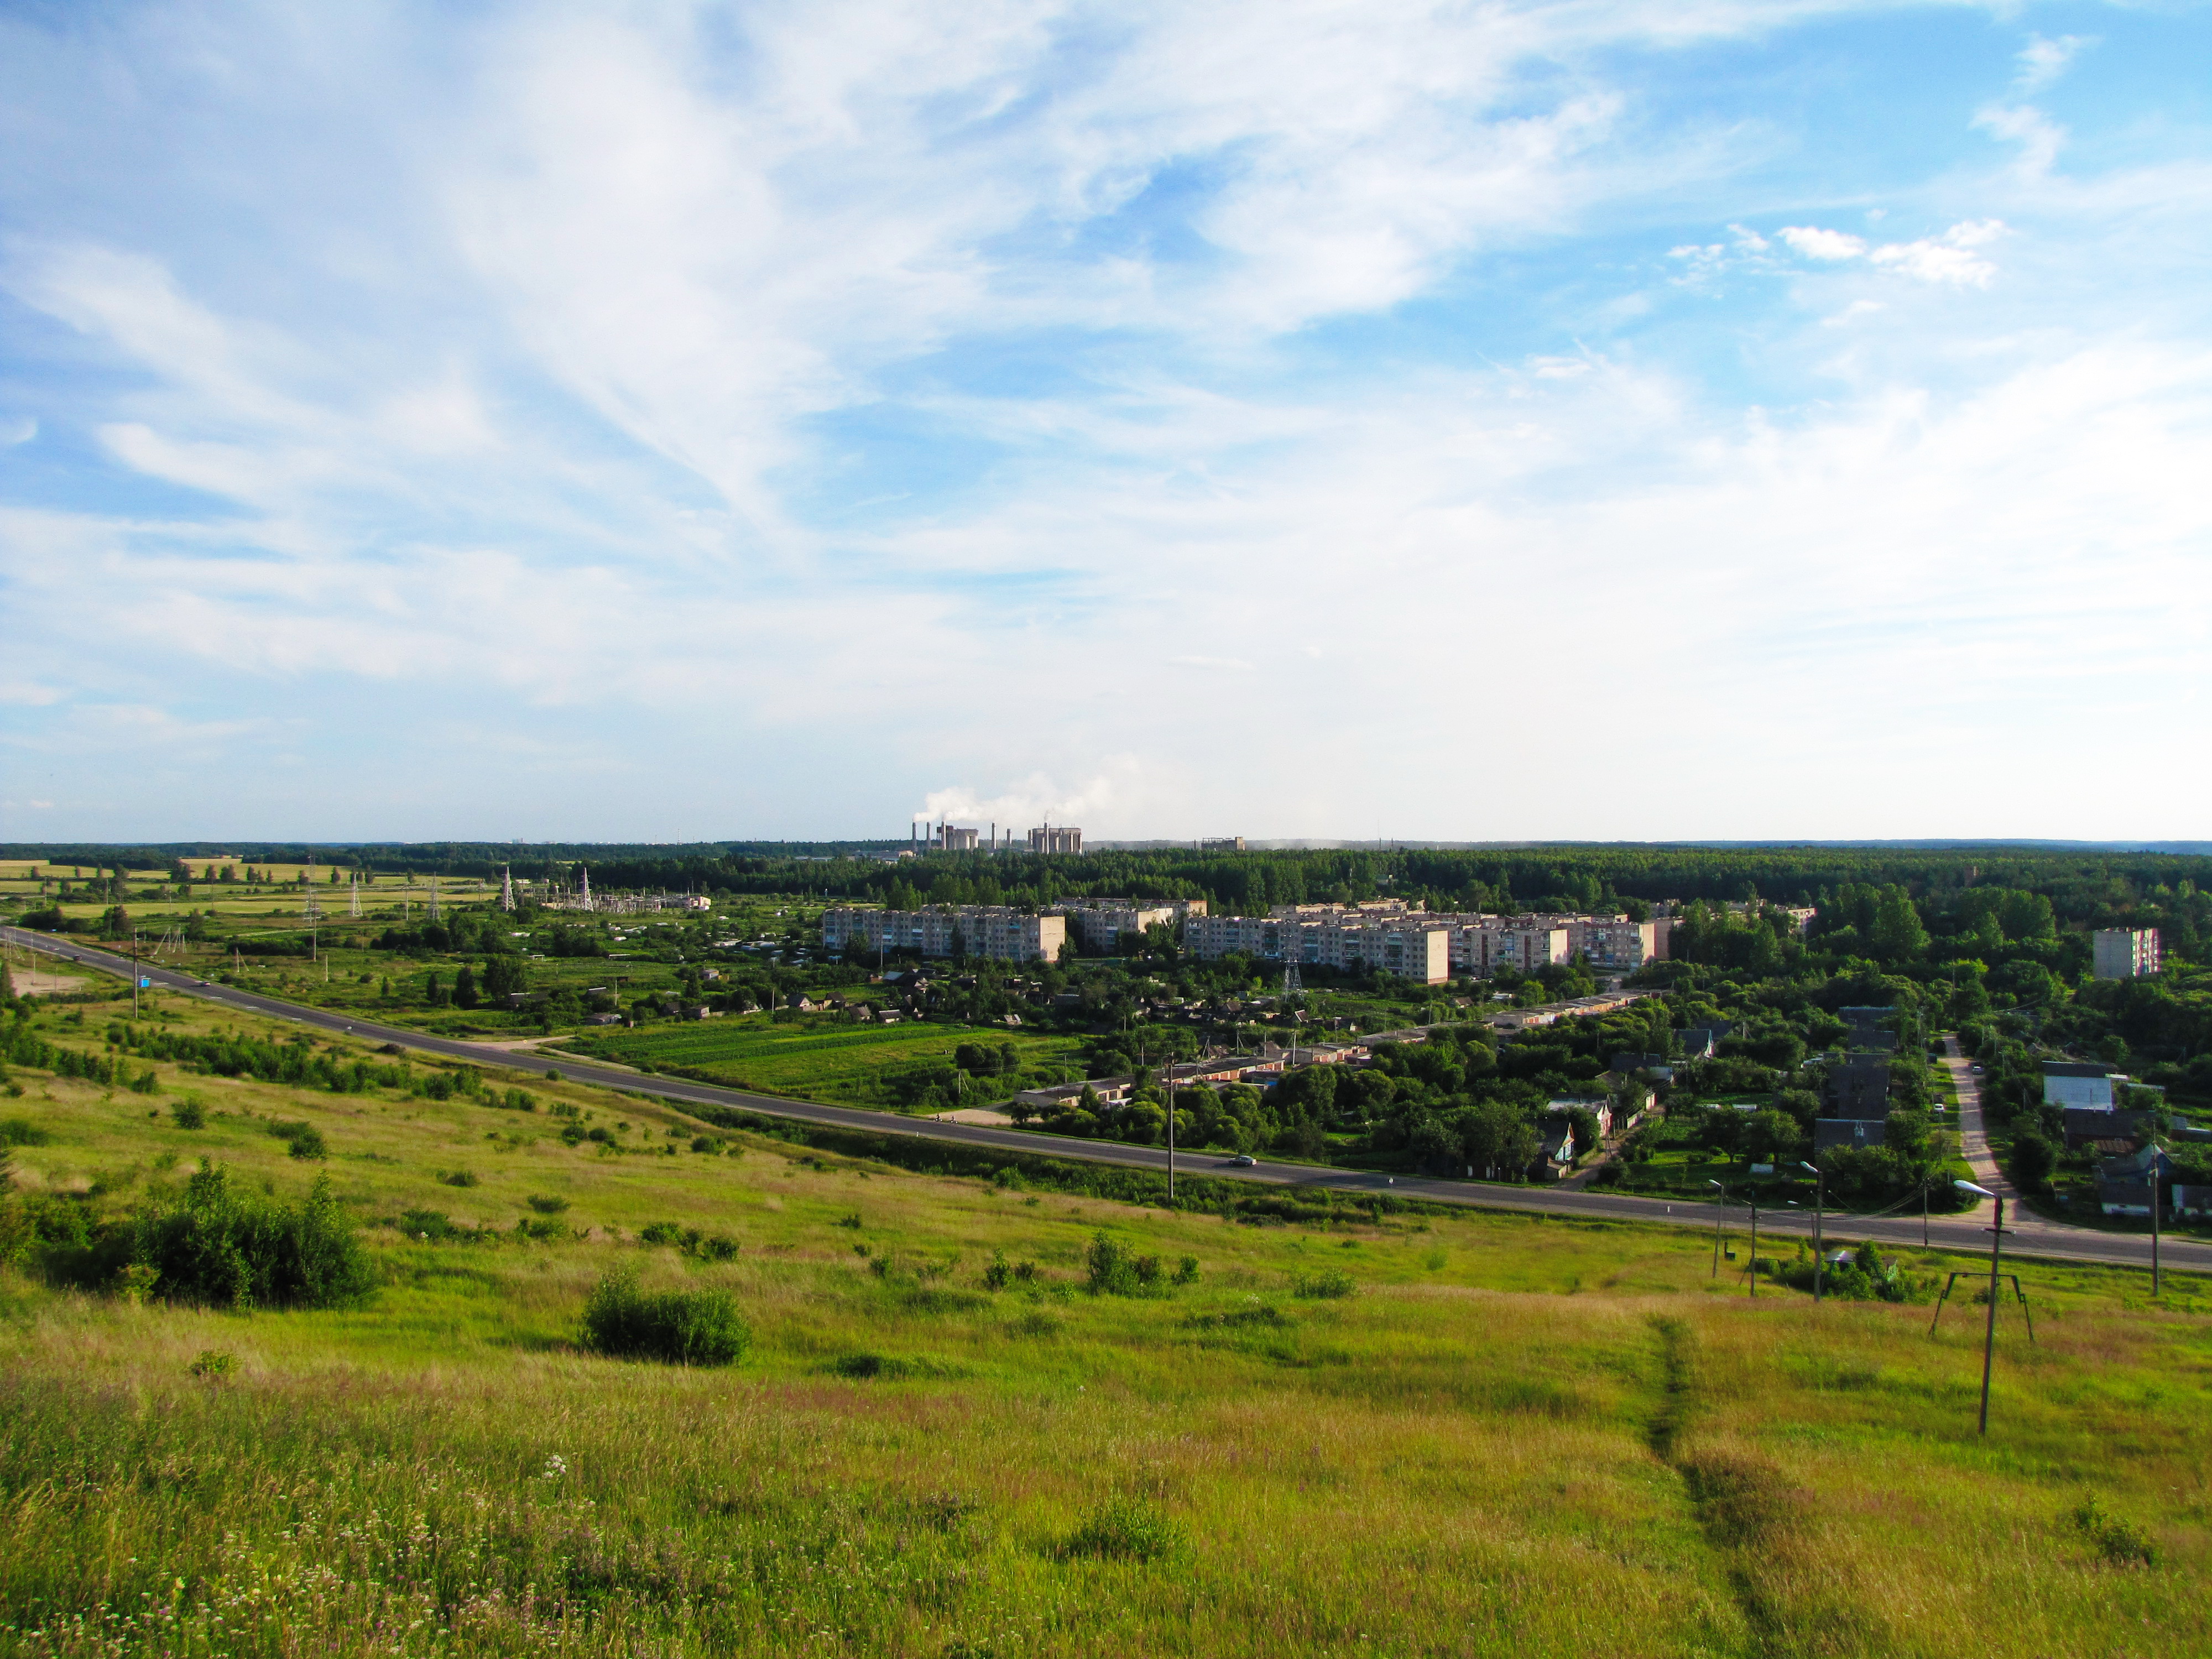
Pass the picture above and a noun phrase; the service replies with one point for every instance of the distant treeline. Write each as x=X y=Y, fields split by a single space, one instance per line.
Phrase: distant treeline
x=2082 y=887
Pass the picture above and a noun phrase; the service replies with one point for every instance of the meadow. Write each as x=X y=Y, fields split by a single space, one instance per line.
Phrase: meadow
x=1386 y=1433
x=843 y=1063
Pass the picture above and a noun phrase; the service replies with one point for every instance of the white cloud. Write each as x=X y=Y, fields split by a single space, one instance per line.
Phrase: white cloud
x=875 y=407
x=1117 y=794
x=1817 y=244
x=1949 y=259
x=2042 y=62
x=2039 y=137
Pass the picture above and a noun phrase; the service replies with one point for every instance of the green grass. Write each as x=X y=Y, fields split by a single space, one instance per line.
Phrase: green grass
x=847 y=1064
x=1514 y=1435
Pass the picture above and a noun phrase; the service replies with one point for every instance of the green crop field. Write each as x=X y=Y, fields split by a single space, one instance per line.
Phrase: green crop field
x=846 y=1064
x=1353 y=1432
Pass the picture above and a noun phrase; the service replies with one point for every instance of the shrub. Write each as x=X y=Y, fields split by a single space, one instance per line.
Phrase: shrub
x=304 y=1139
x=683 y=1327
x=661 y=1233
x=1116 y=1271
x=891 y=1368
x=545 y=1206
x=999 y=1274
x=22 y=1132
x=189 y=1114
x=241 y=1250
x=1327 y=1284
x=1128 y=1529
x=1186 y=1271
x=432 y=1225
x=455 y=1177
x=214 y=1365
x=2120 y=1542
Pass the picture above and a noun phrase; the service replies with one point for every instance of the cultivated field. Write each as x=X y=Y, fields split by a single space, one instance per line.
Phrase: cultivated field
x=845 y=1064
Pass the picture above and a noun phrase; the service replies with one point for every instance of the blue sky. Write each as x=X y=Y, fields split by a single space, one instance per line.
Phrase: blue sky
x=1639 y=420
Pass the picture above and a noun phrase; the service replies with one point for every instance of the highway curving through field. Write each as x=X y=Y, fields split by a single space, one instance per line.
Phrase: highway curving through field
x=2049 y=1241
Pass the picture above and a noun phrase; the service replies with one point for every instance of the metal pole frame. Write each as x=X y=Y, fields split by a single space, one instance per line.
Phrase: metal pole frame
x=2018 y=1294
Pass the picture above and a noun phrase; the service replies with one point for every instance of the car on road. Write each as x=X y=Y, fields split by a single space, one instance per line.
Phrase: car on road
x=1976 y=1070
x=1243 y=1160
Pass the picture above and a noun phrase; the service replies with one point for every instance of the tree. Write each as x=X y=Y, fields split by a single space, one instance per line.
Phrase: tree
x=1496 y=1139
x=1772 y=1137
x=2032 y=1159
x=1898 y=933
x=1722 y=1131
x=465 y=988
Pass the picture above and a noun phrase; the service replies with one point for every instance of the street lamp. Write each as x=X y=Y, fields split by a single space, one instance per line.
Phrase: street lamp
x=1820 y=1203
x=1990 y=1334
x=1719 y=1214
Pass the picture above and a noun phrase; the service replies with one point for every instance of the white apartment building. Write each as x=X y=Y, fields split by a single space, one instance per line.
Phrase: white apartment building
x=2125 y=952
x=1408 y=944
x=994 y=931
x=1099 y=922
x=1474 y=943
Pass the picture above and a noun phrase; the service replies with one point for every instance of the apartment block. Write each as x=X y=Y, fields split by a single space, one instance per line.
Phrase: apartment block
x=1409 y=944
x=994 y=931
x=2125 y=952
x=1474 y=943
x=1099 y=922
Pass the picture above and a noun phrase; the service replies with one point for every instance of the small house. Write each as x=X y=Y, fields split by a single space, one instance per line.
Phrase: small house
x=2085 y=1126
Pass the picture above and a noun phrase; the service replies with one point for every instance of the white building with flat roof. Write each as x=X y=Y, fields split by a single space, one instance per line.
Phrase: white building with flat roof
x=997 y=932
x=2125 y=952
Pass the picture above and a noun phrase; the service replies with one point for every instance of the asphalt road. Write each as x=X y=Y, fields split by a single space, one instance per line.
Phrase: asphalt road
x=2049 y=1241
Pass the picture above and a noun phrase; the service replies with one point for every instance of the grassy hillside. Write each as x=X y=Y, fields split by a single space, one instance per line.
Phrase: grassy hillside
x=1512 y=1436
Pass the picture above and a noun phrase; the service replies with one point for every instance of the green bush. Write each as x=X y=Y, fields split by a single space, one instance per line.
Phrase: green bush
x=545 y=1206
x=304 y=1140
x=2120 y=1542
x=683 y=1327
x=189 y=1114
x=1327 y=1284
x=452 y=1178
x=241 y=1250
x=1128 y=1529
x=22 y=1132
x=1114 y=1270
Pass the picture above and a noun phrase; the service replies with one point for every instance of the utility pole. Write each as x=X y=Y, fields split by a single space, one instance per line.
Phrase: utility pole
x=1171 y=1136
x=1820 y=1203
x=1720 y=1214
x=2156 y=1153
